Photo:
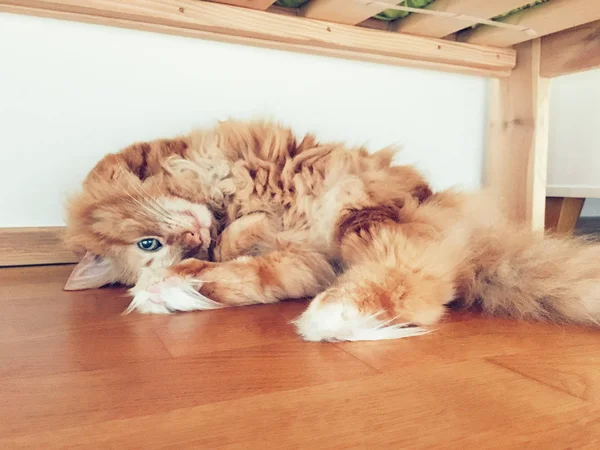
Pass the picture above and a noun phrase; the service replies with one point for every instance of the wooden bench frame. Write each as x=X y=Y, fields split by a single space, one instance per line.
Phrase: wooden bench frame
x=520 y=56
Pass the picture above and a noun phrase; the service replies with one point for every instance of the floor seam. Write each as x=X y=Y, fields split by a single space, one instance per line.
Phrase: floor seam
x=157 y=335
x=359 y=359
x=524 y=375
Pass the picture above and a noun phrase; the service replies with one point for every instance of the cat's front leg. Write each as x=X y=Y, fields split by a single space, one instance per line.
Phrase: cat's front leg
x=287 y=273
x=176 y=288
x=250 y=235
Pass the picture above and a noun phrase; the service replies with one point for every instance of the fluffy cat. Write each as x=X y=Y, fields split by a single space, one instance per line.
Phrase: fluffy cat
x=243 y=213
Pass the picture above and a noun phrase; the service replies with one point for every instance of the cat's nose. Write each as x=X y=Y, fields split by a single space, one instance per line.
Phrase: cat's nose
x=192 y=238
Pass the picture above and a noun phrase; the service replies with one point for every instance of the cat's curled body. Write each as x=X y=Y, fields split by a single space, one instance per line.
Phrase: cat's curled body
x=244 y=213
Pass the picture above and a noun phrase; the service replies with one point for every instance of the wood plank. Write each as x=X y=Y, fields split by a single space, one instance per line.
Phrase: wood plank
x=575 y=370
x=562 y=214
x=471 y=336
x=34 y=305
x=253 y=4
x=291 y=12
x=249 y=27
x=343 y=11
x=375 y=24
x=433 y=26
x=34 y=245
x=227 y=329
x=518 y=139
x=472 y=404
x=82 y=350
x=573 y=191
x=77 y=374
x=571 y=51
x=140 y=388
x=547 y=18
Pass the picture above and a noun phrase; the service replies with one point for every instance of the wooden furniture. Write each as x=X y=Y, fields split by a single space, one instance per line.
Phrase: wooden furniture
x=562 y=214
x=520 y=54
x=564 y=205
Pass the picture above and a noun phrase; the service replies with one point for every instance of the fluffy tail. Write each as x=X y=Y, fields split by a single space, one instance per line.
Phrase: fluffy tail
x=523 y=275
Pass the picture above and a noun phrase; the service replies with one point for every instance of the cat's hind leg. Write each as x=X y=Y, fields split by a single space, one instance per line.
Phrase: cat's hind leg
x=395 y=287
x=373 y=303
x=286 y=273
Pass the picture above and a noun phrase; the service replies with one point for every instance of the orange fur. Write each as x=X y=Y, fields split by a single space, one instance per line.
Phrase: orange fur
x=287 y=272
x=275 y=213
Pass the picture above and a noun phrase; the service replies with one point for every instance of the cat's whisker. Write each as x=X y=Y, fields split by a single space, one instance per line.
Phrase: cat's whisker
x=152 y=203
x=150 y=213
x=162 y=193
x=153 y=212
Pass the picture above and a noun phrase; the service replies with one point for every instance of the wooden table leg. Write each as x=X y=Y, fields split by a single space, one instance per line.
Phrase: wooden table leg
x=518 y=139
x=562 y=214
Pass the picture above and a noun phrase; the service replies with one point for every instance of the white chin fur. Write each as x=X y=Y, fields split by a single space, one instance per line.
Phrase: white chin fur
x=342 y=321
x=167 y=298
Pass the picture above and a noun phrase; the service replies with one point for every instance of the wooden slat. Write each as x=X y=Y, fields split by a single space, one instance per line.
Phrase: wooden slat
x=343 y=11
x=250 y=27
x=375 y=24
x=372 y=23
x=518 y=138
x=547 y=18
x=573 y=191
x=31 y=246
x=253 y=4
x=571 y=51
x=291 y=12
x=433 y=26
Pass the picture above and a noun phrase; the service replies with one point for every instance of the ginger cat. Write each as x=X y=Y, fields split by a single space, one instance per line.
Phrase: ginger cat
x=244 y=213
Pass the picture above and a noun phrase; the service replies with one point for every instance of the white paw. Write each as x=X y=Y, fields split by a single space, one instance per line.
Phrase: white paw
x=159 y=293
x=338 y=319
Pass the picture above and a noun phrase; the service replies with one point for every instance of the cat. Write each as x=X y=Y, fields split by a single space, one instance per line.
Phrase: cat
x=244 y=213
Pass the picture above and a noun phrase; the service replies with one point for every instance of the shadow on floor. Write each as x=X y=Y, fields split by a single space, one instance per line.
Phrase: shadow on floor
x=588 y=226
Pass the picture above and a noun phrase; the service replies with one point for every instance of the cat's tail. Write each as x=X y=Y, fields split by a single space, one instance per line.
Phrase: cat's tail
x=397 y=282
x=525 y=275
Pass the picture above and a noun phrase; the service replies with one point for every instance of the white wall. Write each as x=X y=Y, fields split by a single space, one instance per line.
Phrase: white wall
x=574 y=153
x=69 y=93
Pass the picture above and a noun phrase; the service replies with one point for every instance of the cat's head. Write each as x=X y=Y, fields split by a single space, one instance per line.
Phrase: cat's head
x=134 y=212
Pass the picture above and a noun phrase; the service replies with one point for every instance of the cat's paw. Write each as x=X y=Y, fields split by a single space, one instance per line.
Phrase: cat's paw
x=337 y=314
x=164 y=291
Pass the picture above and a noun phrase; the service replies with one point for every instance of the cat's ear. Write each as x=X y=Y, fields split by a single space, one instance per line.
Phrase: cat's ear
x=92 y=272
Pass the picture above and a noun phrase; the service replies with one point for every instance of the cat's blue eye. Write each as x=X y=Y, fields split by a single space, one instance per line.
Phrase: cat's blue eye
x=149 y=244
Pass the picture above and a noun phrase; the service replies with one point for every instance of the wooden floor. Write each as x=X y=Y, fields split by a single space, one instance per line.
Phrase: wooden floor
x=75 y=373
